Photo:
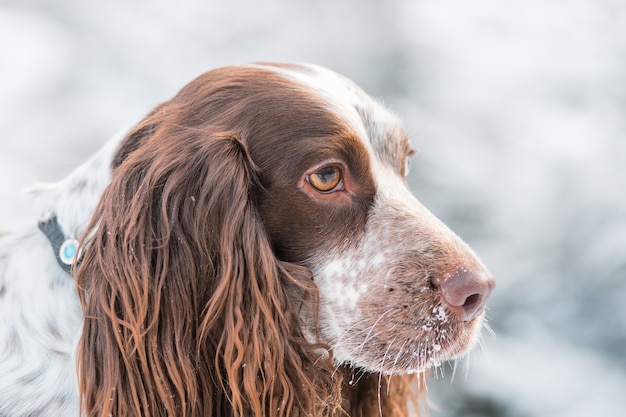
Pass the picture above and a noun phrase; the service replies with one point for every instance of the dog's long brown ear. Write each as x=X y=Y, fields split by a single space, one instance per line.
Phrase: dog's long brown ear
x=187 y=311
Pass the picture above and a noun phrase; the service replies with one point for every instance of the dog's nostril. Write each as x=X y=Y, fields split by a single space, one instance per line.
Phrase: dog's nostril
x=466 y=293
x=471 y=301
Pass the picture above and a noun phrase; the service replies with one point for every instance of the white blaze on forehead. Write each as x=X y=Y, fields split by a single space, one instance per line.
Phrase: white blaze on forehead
x=341 y=94
x=344 y=97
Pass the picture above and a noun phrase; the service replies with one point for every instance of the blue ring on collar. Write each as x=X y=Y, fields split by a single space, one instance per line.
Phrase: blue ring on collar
x=68 y=252
x=65 y=249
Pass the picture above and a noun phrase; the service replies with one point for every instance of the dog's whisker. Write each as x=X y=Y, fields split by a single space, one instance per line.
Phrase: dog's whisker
x=250 y=247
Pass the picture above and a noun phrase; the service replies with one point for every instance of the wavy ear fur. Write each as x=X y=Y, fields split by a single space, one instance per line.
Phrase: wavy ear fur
x=187 y=310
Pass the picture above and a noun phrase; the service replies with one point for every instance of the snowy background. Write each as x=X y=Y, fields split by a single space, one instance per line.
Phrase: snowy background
x=518 y=109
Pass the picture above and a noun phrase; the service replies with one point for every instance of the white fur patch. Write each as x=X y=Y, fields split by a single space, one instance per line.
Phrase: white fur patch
x=40 y=316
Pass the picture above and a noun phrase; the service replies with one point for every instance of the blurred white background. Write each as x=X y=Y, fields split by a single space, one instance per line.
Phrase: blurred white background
x=518 y=109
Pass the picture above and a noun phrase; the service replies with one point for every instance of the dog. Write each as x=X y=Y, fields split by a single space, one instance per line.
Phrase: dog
x=250 y=248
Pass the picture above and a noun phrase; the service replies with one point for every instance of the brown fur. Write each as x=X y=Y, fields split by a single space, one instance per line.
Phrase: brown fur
x=191 y=287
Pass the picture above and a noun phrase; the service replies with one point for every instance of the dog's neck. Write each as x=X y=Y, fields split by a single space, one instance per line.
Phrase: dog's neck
x=72 y=200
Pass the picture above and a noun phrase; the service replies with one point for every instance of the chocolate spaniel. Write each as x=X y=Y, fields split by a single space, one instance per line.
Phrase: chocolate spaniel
x=250 y=248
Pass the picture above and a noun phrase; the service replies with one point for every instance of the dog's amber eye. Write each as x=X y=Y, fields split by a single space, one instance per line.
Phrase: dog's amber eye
x=325 y=179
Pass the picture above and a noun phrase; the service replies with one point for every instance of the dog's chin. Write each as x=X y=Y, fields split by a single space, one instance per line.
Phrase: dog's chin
x=412 y=355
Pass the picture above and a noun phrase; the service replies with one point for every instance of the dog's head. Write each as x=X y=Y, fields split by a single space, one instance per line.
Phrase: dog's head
x=257 y=219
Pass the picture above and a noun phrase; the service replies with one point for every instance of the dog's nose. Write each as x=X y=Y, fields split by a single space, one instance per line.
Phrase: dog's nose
x=466 y=293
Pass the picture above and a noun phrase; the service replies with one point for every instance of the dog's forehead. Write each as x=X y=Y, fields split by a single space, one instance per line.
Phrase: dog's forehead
x=380 y=131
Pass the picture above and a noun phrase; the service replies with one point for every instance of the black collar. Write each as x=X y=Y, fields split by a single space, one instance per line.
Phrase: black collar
x=65 y=248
